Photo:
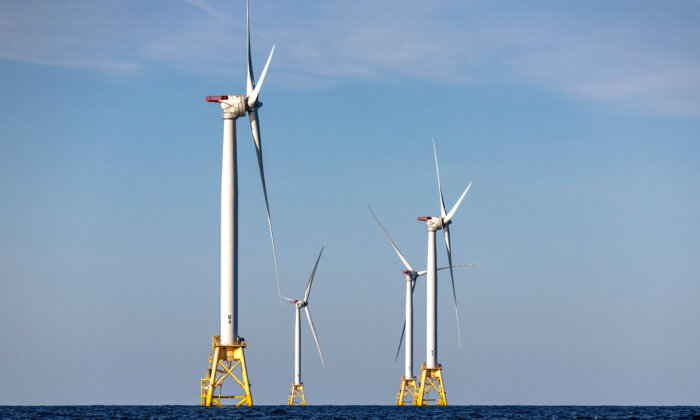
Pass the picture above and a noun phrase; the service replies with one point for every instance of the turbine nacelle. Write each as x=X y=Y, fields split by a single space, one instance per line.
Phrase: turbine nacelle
x=234 y=106
x=435 y=222
x=411 y=275
x=299 y=303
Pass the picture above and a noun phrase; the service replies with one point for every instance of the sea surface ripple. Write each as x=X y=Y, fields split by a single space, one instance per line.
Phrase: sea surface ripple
x=349 y=412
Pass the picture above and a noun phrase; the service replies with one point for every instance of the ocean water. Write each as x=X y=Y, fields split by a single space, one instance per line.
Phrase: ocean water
x=348 y=412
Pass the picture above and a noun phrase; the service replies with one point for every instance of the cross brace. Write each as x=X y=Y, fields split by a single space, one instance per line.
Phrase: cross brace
x=225 y=362
x=431 y=380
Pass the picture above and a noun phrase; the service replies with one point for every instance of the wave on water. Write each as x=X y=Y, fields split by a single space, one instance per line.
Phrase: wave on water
x=349 y=412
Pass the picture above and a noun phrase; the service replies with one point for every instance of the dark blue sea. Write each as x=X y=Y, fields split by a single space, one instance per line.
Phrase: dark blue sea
x=347 y=412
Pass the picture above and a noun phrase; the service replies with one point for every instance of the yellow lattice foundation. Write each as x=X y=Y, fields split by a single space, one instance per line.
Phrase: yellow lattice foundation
x=431 y=380
x=407 y=392
x=296 y=396
x=223 y=363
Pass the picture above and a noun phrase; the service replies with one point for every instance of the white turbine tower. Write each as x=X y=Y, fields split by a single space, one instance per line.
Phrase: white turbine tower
x=431 y=375
x=408 y=388
x=228 y=347
x=297 y=396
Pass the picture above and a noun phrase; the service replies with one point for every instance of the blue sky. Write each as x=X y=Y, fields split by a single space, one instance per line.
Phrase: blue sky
x=578 y=125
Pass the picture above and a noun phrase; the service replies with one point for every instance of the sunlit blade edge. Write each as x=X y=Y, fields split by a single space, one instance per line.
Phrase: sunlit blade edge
x=454 y=208
x=250 y=81
x=403 y=259
x=254 y=96
x=452 y=277
x=313 y=331
x=311 y=279
x=255 y=128
x=437 y=169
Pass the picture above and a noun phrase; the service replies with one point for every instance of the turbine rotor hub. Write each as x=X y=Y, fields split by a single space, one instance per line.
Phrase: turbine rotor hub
x=434 y=222
x=254 y=107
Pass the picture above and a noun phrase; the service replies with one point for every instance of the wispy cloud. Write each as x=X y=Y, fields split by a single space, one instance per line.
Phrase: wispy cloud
x=78 y=34
x=640 y=56
x=207 y=8
x=645 y=67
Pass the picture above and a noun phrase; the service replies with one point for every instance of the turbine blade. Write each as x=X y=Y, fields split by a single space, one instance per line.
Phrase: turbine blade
x=255 y=128
x=254 y=96
x=446 y=230
x=424 y=272
x=403 y=259
x=454 y=209
x=398 y=349
x=313 y=330
x=311 y=279
x=437 y=169
x=460 y=265
x=250 y=81
x=403 y=330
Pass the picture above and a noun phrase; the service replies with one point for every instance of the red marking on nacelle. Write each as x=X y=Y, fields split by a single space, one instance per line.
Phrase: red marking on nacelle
x=424 y=219
x=406 y=271
x=216 y=98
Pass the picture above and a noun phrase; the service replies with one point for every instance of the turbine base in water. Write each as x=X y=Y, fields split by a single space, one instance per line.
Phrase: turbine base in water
x=431 y=379
x=226 y=361
x=407 y=394
x=296 y=395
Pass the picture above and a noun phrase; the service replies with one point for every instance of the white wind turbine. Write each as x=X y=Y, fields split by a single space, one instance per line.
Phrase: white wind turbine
x=235 y=106
x=408 y=380
x=297 y=393
x=228 y=347
x=432 y=375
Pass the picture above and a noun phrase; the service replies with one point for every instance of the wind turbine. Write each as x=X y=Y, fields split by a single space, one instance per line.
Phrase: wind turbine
x=296 y=396
x=228 y=347
x=431 y=370
x=407 y=388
